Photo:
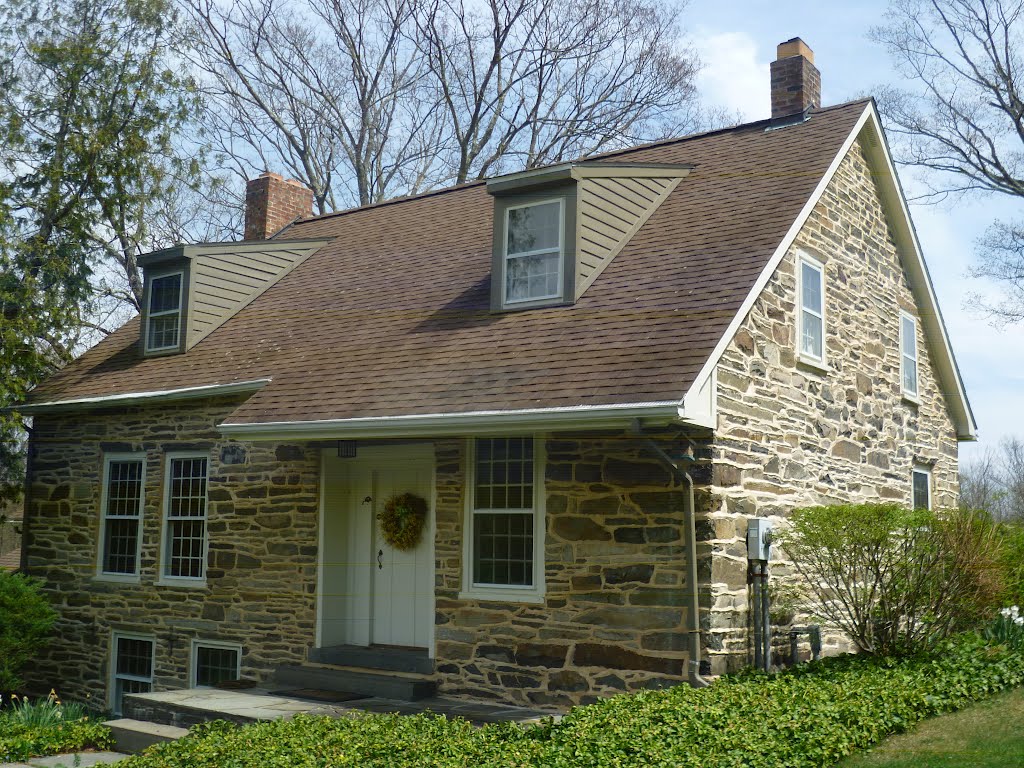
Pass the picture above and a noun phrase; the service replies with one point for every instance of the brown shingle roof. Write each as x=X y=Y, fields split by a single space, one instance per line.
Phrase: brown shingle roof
x=392 y=316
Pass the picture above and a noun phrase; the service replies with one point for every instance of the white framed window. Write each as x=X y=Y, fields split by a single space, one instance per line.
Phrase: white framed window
x=533 y=251
x=504 y=545
x=163 y=316
x=121 y=502
x=908 y=355
x=131 y=666
x=921 y=488
x=185 y=502
x=215 y=662
x=811 y=310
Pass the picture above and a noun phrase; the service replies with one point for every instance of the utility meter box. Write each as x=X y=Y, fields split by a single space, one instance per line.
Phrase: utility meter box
x=759 y=538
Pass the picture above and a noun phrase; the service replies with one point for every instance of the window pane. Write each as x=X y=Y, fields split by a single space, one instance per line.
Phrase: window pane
x=532 y=277
x=533 y=228
x=186 y=518
x=909 y=337
x=215 y=665
x=910 y=375
x=134 y=657
x=504 y=473
x=810 y=281
x=503 y=549
x=120 y=545
x=922 y=490
x=811 y=340
x=165 y=294
x=163 y=331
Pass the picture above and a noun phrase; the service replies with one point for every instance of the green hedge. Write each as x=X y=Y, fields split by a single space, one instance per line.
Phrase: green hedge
x=20 y=742
x=810 y=716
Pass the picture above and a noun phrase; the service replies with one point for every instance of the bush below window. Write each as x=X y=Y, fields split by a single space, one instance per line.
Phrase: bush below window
x=48 y=727
x=808 y=716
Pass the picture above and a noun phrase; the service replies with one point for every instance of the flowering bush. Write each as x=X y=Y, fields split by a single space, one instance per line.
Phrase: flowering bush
x=1007 y=629
x=48 y=727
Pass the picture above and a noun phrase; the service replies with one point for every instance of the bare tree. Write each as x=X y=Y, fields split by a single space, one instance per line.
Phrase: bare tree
x=530 y=82
x=961 y=120
x=994 y=482
x=333 y=91
x=363 y=100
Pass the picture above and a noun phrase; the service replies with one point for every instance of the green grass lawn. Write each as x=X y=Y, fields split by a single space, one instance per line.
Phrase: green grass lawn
x=987 y=735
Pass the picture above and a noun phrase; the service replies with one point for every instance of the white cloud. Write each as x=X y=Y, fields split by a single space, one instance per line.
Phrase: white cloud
x=734 y=77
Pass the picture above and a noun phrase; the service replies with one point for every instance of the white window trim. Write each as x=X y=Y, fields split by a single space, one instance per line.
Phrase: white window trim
x=506 y=593
x=150 y=314
x=912 y=395
x=927 y=472
x=165 y=579
x=193 y=664
x=822 y=362
x=123 y=578
x=114 y=677
x=506 y=302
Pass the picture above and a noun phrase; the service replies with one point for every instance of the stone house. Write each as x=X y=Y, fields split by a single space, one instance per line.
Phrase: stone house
x=589 y=375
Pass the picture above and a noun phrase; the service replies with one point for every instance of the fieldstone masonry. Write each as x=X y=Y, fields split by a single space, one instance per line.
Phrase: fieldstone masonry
x=615 y=605
x=791 y=435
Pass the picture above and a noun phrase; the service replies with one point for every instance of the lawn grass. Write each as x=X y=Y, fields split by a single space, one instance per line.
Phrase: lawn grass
x=987 y=735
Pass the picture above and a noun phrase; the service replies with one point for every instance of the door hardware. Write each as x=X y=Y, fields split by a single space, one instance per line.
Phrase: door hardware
x=367 y=500
x=380 y=554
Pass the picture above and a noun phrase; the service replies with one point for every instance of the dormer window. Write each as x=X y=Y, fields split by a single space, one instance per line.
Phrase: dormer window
x=533 y=252
x=556 y=229
x=164 y=315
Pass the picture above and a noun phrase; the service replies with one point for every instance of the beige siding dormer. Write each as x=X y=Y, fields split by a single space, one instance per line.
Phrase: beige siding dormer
x=604 y=204
x=222 y=278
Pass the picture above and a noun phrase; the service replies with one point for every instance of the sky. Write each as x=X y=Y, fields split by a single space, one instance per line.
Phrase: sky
x=736 y=40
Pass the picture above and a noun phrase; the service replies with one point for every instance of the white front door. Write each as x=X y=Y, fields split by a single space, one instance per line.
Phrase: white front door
x=371 y=592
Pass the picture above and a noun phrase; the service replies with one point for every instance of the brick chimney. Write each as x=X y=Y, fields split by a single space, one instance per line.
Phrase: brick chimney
x=796 y=82
x=271 y=203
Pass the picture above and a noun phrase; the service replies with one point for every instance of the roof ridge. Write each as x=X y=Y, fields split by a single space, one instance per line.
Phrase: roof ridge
x=610 y=153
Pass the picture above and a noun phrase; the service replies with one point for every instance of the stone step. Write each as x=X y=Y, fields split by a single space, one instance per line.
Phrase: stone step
x=416 y=660
x=135 y=735
x=402 y=686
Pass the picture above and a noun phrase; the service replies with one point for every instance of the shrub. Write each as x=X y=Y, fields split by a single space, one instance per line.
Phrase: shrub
x=48 y=727
x=26 y=618
x=1012 y=563
x=812 y=715
x=893 y=579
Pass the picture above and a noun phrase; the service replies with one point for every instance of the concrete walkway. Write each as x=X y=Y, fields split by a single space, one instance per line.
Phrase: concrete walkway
x=82 y=759
x=258 y=704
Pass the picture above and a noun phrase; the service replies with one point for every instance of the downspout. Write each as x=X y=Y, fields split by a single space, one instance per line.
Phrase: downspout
x=690 y=526
x=26 y=514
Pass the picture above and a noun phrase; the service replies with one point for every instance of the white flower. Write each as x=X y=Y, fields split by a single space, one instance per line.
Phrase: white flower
x=1019 y=621
x=1015 y=611
x=1005 y=613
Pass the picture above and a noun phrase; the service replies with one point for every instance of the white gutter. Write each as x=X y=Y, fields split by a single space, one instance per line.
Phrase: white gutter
x=142 y=398
x=470 y=422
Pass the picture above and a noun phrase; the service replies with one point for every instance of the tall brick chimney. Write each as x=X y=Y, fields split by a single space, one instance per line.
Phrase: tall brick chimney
x=271 y=203
x=796 y=82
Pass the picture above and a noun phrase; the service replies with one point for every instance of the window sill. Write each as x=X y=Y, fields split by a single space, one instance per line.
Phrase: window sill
x=911 y=399
x=502 y=595
x=817 y=366
x=184 y=583
x=117 y=578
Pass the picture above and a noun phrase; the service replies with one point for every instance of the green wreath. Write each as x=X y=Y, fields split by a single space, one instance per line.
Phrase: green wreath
x=402 y=520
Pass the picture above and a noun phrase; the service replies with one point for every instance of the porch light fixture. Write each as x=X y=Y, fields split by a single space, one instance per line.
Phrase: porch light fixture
x=346 y=449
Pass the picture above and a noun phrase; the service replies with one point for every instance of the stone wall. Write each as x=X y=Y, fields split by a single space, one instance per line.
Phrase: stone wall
x=790 y=435
x=260 y=590
x=614 y=613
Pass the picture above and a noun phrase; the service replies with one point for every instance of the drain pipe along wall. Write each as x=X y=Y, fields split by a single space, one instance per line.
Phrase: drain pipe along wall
x=690 y=527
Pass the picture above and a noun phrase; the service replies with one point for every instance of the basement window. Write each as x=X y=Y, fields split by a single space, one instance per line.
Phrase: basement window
x=133 y=667
x=163 y=316
x=921 y=490
x=214 y=663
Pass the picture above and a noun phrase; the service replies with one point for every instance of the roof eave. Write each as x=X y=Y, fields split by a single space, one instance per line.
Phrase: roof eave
x=459 y=424
x=141 y=398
